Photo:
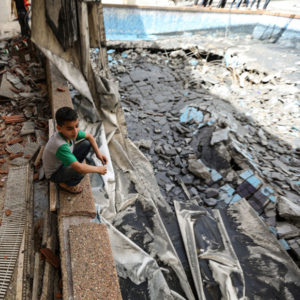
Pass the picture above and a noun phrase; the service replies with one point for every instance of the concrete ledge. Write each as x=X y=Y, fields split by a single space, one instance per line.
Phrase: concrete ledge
x=80 y=204
x=66 y=268
x=93 y=272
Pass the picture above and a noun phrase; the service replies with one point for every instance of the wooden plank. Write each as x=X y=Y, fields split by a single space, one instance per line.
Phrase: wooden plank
x=53 y=197
x=39 y=156
x=36 y=276
x=84 y=37
x=19 y=284
x=49 y=271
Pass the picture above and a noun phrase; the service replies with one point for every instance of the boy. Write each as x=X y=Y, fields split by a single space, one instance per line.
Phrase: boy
x=62 y=158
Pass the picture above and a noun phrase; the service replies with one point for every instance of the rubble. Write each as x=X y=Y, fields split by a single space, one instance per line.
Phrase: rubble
x=288 y=209
x=220 y=154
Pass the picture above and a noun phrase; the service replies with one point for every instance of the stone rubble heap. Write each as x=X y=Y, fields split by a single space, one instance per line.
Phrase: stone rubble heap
x=212 y=151
x=24 y=107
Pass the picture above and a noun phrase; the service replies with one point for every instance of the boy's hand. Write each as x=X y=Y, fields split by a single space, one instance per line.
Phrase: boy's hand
x=103 y=158
x=102 y=170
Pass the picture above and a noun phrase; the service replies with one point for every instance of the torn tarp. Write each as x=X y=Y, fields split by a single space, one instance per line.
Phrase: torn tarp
x=233 y=255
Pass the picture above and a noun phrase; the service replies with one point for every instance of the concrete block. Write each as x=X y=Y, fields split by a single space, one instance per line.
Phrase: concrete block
x=94 y=275
x=82 y=204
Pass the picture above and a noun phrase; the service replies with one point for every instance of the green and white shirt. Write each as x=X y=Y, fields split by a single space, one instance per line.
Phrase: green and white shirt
x=58 y=151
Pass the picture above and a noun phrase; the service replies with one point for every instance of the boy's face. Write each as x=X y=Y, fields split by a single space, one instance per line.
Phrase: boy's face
x=69 y=129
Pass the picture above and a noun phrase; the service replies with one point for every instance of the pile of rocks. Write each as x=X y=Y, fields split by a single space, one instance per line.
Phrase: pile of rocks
x=203 y=148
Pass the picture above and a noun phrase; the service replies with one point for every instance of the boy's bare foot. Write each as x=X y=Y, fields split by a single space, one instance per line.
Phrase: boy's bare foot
x=76 y=189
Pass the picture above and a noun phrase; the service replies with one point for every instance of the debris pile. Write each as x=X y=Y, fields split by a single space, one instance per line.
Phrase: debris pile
x=24 y=106
x=209 y=151
x=24 y=114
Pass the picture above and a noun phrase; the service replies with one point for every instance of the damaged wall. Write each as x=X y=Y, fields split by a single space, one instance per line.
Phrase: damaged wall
x=129 y=23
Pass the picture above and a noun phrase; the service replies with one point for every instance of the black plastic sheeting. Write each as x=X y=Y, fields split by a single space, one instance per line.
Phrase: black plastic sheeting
x=233 y=255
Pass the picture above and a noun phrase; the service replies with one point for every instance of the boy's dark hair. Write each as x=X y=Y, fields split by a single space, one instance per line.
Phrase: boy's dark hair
x=65 y=114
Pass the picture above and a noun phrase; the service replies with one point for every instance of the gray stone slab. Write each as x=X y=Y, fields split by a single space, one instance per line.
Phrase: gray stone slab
x=28 y=128
x=16 y=148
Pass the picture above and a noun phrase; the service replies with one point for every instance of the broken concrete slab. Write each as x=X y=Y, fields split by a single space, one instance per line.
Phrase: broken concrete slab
x=287 y=230
x=198 y=168
x=15 y=148
x=5 y=89
x=288 y=209
x=219 y=136
x=28 y=128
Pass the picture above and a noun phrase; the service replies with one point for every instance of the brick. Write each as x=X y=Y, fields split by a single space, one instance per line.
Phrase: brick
x=7 y=212
x=60 y=89
x=14 y=119
x=14 y=141
x=2 y=160
x=50 y=257
x=13 y=155
x=3 y=171
x=2 y=141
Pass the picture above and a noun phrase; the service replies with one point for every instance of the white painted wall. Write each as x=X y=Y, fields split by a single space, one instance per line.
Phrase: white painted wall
x=5 y=10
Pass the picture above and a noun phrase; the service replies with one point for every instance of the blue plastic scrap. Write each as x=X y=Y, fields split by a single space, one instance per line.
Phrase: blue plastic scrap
x=110 y=51
x=109 y=57
x=211 y=122
x=284 y=244
x=191 y=113
x=246 y=174
x=124 y=54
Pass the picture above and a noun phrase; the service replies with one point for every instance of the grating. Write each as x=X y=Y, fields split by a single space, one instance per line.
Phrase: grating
x=11 y=231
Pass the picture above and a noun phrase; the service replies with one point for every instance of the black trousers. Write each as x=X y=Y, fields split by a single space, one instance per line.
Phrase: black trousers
x=66 y=174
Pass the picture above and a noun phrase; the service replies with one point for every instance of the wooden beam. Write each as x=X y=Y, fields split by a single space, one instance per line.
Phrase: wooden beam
x=19 y=287
x=36 y=277
x=84 y=37
x=53 y=198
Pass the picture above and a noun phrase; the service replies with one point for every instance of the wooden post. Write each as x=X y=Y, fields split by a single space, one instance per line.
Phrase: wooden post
x=84 y=37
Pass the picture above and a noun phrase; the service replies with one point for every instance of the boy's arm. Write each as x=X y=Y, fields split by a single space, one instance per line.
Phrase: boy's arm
x=94 y=145
x=85 y=168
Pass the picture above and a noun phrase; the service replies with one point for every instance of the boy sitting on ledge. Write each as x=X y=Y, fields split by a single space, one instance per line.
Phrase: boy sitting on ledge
x=62 y=158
